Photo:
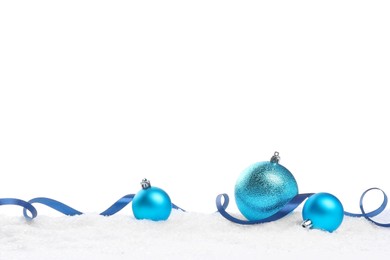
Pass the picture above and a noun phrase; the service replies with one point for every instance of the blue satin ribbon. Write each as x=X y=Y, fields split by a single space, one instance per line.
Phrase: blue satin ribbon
x=17 y=202
x=65 y=209
x=54 y=204
x=125 y=200
x=374 y=213
x=294 y=203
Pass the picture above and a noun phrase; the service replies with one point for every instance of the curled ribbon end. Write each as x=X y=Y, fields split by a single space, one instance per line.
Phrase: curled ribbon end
x=371 y=214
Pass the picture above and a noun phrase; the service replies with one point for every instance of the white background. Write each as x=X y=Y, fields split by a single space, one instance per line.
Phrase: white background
x=96 y=95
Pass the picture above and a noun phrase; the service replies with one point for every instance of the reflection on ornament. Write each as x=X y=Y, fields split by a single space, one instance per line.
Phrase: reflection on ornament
x=264 y=188
x=151 y=203
x=323 y=211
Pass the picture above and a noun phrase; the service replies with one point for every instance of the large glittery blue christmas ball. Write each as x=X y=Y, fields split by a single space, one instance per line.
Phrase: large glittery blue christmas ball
x=151 y=203
x=263 y=189
x=324 y=211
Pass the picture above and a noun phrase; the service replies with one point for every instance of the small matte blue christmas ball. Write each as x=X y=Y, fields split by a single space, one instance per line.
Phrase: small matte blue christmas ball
x=323 y=211
x=264 y=188
x=151 y=203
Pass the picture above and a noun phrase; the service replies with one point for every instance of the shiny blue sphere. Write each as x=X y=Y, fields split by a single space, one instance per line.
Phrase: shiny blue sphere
x=263 y=189
x=324 y=210
x=152 y=203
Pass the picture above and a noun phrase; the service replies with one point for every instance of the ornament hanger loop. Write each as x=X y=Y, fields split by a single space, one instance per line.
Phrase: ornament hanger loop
x=275 y=158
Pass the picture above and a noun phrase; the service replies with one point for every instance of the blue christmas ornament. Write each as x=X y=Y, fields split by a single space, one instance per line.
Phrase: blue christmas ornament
x=323 y=211
x=264 y=188
x=151 y=203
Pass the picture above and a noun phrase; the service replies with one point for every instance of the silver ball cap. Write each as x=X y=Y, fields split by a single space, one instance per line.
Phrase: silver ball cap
x=145 y=184
x=307 y=223
x=275 y=158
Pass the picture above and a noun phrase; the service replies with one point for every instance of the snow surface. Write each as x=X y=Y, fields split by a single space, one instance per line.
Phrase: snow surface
x=186 y=236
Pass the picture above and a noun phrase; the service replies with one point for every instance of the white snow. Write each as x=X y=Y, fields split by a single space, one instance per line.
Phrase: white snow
x=186 y=236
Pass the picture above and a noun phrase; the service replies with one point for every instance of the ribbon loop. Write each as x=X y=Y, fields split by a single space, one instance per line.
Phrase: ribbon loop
x=371 y=214
x=54 y=204
x=26 y=206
